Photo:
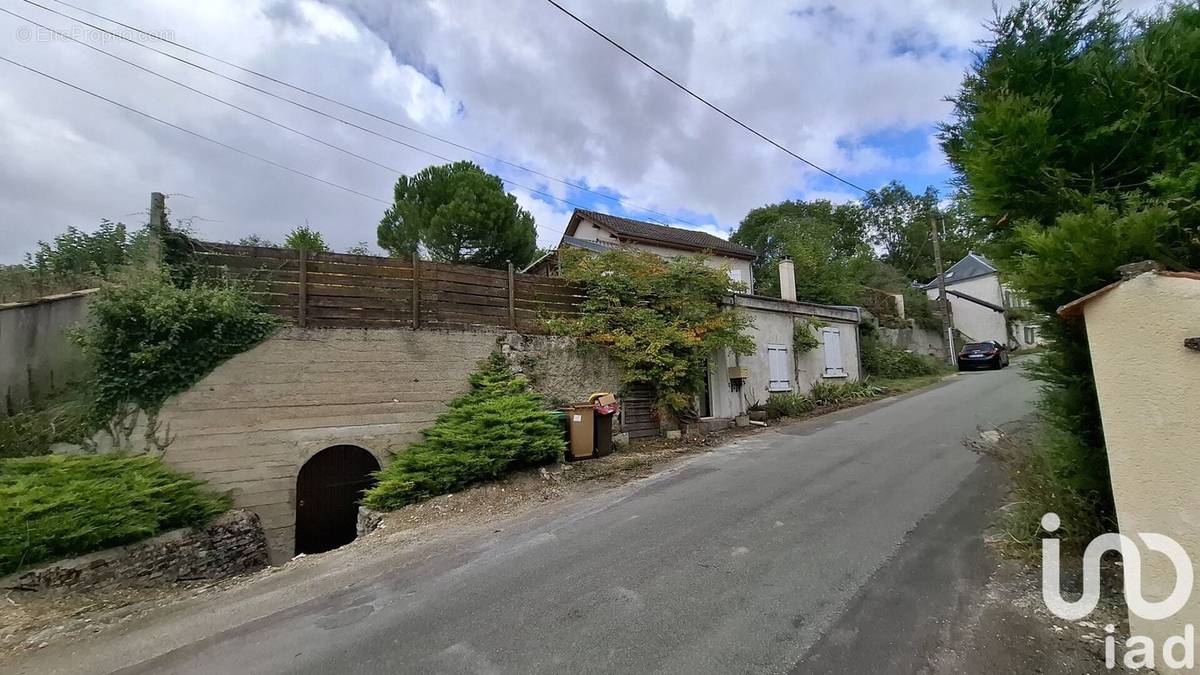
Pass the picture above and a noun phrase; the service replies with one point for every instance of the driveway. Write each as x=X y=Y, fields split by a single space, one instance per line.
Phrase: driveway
x=844 y=544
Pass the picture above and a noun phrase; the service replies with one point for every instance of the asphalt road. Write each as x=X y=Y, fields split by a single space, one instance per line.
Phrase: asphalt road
x=843 y=544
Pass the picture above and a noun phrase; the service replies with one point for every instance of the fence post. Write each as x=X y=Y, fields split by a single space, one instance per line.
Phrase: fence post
x=154 y=233
x=416 y=291
x=512 y=298
x=303 y=287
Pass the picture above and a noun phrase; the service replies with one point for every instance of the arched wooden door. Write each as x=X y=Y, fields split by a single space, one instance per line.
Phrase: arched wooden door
x=328 y=489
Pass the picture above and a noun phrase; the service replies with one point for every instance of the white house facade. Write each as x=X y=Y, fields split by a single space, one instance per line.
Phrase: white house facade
x=980 y=304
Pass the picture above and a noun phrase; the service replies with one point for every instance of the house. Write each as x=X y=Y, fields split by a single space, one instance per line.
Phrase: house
x=983 y=307
x=598 y=232
x=736 y=383
x=1144 y=337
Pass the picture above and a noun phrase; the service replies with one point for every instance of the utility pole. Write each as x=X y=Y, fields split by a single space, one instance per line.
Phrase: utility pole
x=158 y=226
x=943 y=303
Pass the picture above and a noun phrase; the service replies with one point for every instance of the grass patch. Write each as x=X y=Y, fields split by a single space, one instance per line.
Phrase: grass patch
x=904 y=385
x=497 y=427
x=1041 y=466
x=58 y=507
x=31 y=432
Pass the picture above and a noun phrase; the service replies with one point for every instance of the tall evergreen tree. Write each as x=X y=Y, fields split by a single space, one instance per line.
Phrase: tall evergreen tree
x=458 y=213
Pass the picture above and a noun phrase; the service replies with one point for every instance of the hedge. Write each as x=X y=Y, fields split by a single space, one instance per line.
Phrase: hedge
x=499 y=426
x=58 y=506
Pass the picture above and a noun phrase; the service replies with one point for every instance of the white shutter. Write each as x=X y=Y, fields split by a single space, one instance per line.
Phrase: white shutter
x=831 y=340
x=778 y=365
x=735 y=276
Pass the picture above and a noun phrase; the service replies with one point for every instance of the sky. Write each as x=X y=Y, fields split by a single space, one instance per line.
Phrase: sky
x=855 y=87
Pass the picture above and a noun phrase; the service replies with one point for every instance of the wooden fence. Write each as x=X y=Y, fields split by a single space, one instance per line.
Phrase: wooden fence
x=335 y=290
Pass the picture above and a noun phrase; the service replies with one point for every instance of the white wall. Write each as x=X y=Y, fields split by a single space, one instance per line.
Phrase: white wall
x=977 y=321
x=775 y=328
x=1146 y=385
x=590 y=232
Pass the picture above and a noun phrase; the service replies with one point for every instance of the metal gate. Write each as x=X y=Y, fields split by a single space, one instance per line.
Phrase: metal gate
x=328 y=490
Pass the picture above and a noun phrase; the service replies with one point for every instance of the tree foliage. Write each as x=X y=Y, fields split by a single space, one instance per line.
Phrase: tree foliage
x=458 y=213
x=498 y=426
x=819 y=236
x=661 y=319
x=900 y=226
x=1076 y=137
x=305 y=238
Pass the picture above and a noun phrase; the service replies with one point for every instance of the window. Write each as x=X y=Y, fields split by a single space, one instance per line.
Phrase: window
x=831 y=344
x=735 y=276
x=1030 y=335
x=780 y=368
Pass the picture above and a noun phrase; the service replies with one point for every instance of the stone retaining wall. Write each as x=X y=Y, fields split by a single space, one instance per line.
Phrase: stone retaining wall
x=233 y=544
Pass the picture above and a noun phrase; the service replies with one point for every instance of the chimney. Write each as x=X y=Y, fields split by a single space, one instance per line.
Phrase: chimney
x=787 y=279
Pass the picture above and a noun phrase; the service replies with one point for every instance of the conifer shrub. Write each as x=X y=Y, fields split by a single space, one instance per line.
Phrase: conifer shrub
x=61 y=506
x=498 y=426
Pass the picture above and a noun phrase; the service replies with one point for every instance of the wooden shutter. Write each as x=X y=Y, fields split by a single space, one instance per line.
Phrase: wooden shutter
x=780 y=368
x=831 y=340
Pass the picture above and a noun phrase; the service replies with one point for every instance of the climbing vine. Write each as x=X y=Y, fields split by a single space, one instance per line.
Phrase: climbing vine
x=660 y=319
x=804 y=335
x=148 y=339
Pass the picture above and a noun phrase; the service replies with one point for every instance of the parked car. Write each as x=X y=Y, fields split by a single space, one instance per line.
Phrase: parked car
x=990 y=354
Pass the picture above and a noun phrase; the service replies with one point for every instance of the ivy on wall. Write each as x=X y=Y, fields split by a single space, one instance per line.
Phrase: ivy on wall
x=148 y=339
x=804 y=335
x=660 y=319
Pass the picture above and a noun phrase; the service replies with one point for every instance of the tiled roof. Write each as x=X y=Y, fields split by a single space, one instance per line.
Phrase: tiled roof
x=973 y=265
x=675 y=237
x=593 y=246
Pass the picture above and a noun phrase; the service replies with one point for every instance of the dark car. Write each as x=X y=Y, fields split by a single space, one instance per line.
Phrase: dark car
x=990 y=354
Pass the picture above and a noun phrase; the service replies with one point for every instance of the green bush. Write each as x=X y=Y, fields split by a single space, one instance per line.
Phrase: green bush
x=660 y=319
x=788 y=405
x=149 y=339
x=822 y=394
x=884 y=361
x=832 y=393
x=57 y=507
x=499 y=426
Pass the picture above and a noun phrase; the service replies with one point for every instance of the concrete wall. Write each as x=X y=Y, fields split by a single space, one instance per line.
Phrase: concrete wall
x=36 y=358
x=914 y=338
x=561 y=369
x=590 y=232
x=1146 y=382
x=773 y=325
x=975 y=320
x=249 y=426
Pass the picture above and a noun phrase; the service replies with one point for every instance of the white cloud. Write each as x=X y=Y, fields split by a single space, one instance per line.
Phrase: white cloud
x=516 y=80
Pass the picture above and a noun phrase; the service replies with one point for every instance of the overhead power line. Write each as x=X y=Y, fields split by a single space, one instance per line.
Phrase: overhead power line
x=268 y=120
x=698 y=97
x=336 y=102
x=195 y=134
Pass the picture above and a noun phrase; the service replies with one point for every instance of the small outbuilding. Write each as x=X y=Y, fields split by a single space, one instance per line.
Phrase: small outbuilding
x=777 y=366
x=1144 y=336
